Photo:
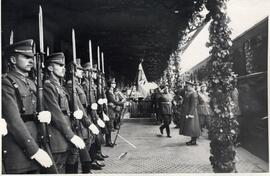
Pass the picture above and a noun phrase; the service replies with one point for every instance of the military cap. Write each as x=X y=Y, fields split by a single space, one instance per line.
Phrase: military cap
x=24 y=47
x=190 y=83
x=95 y=67
x=78 y=63
x=87 y=66
x=111 y=81
x=58 y=58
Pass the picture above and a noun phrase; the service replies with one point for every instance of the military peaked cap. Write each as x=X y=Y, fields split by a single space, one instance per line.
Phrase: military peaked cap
x=24 y=47
x=58 y=58
x=111 y=81
x=87 y=66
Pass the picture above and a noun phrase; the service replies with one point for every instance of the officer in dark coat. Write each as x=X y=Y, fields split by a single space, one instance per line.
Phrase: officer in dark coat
x=165 y=110
x=21 y=152
x=113 y=107
x=191 y=124
x=55 y=100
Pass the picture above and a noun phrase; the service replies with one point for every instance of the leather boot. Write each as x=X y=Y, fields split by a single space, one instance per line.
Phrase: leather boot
x=72 y=168
x=86 y=167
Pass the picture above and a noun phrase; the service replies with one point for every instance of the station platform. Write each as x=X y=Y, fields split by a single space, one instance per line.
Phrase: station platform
x=142 y=149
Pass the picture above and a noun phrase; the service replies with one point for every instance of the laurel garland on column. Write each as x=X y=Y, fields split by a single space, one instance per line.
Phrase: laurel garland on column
x=224 y=126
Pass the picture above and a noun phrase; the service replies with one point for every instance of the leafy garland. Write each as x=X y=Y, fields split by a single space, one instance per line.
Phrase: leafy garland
x=224 y=126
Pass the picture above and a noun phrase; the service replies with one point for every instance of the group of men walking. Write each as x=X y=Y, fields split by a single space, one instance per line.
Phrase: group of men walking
x=186 y=109
x=76 y=120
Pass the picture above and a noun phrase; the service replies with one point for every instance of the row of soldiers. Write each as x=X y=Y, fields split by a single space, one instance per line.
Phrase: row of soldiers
x=73 y=137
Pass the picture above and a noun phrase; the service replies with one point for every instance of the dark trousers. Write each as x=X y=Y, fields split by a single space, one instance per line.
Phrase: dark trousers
x=94 y=150
x=60 y=161
x=108 y=138
x=166 y=119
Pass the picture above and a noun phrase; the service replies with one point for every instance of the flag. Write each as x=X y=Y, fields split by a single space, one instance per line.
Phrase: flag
x=142 y=82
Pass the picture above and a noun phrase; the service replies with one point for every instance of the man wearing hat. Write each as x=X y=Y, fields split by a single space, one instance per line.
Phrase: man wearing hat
x=87 y=127
x=113 y=107
x=190 y=125
x=21 y=152
x=55 y=100
x=165 y=109
x=90 y=91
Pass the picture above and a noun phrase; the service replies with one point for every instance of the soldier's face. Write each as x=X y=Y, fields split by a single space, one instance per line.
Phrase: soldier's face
x=94 y=75
x=23 y=63
x=113 y=85
x=59 y=70
x=79 y=73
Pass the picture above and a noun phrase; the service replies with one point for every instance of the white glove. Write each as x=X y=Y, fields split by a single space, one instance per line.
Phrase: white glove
x=44 y=117
x=78 y=142
x=100 y=101
x=100 y=123
x=3 y=127
x=93 y=128
x=126 y=104
x=94 y=106
x=42 y=158
x=78 y=114
x=105 y=101
x=189 y=116
x=105 y=117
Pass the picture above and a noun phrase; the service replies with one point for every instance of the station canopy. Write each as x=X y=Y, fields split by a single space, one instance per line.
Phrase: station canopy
x=125 y=30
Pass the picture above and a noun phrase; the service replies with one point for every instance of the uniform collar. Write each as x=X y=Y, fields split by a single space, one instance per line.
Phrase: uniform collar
x=51 y=78
x=18 y=75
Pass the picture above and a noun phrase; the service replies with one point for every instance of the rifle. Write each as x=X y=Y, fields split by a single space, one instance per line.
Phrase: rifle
x=76 y=124
x=105 y=107
x=99 y=86
x=44 y=138
x=124 y=111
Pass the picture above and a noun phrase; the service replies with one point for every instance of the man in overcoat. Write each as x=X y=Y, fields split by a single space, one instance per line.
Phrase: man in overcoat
x=191 y=124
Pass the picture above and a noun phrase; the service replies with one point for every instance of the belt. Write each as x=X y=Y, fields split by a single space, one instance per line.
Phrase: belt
x=165 y=102
x=29 y=117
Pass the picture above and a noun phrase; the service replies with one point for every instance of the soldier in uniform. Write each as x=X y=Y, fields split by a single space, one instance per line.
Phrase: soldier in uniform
x=165 y=109
x=86 y=127
x=191 y=123
x=91 y=95
x=21 y=151
x=55 y=100
x=113 y=107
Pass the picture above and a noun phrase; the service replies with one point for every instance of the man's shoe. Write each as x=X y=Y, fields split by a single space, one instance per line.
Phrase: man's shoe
x=100 y=164
x=161 y=130
x=99 y=157
x=191 y=143
x=169 y=136
x=94 y=166
x=109 y=145
x=104 y=156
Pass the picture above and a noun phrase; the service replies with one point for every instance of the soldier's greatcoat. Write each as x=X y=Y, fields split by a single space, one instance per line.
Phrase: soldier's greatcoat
x=190 y=126
x=21 y=141
x=55 y=100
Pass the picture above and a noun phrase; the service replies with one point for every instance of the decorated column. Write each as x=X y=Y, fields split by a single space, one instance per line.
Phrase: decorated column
x=224 y=126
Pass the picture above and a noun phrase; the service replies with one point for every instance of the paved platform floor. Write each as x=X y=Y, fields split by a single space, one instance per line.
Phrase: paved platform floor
x=155 y=153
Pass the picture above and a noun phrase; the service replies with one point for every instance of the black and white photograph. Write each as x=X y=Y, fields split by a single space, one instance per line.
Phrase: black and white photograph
x=134 y=87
